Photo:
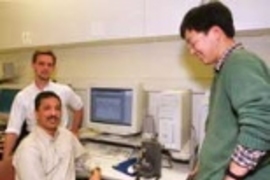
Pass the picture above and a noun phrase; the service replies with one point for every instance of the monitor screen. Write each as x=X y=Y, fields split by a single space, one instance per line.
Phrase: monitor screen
x=111 y=106
x=115 y=108
x=6 y=99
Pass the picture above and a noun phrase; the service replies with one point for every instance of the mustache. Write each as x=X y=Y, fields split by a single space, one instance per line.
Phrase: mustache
x=53 y=118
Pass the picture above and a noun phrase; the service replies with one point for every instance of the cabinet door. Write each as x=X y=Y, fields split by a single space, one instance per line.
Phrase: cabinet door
x=50 y=22
x=163 y=17
x=250 y=14
x=110 y=19
x=10 y=24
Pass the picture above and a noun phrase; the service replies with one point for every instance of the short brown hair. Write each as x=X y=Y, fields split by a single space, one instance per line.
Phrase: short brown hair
x=48 y=53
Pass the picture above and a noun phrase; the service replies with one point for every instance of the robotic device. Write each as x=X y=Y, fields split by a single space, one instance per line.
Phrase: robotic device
x=149 y=162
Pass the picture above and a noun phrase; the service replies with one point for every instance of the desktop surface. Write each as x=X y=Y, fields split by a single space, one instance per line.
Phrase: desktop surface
x=107 y=155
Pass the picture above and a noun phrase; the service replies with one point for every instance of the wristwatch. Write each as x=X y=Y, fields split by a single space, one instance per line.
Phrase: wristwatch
x=234 y=176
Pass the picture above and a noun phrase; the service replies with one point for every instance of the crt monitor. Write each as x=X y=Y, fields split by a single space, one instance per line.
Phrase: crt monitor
x=6 y=98
x=115 y=108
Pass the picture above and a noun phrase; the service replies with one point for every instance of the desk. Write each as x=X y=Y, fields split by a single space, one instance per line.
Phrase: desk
x=178 y=172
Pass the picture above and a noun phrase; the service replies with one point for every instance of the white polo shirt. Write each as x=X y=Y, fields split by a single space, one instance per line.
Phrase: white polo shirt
x=23 y=106
x=43 y=157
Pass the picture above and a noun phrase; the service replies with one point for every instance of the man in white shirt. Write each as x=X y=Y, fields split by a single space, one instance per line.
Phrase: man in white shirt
x=49 y=151
x=22 y=110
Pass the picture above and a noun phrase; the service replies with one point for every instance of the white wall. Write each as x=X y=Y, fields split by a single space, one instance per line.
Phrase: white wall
x=164 y=64
x=156 y=64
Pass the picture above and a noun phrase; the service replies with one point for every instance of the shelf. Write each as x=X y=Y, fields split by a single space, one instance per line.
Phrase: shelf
x=253 y=33
x=125 y=41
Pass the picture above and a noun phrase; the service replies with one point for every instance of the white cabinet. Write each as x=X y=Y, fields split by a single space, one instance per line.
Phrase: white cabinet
x=163 y=17
x=250 y=14
x=49 y=22
x=10 y=23
x=54 y=22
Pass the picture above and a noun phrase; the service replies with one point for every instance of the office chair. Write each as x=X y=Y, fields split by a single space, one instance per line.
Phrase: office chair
x=7 y=171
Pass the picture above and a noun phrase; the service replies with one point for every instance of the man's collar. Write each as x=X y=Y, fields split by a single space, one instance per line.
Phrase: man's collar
x=45 y=87
x=226 y=54
x=45 y=136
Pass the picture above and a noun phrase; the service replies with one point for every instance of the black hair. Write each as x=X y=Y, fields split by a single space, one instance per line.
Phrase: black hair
x=45 y=95
x=204 y=17
x=40 y=52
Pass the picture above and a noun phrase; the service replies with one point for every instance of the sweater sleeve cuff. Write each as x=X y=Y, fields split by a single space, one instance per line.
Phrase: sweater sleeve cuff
x=247 y=157
x=259 y=142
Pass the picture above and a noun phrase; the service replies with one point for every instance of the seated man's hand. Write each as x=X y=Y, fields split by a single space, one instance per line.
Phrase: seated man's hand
x=95 y=174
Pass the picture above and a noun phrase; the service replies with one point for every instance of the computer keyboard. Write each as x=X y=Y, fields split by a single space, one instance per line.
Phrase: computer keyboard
x=88 y=134
x=105 y=154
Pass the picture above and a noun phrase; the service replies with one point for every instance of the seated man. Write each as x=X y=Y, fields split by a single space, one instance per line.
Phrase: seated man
x=49 y=152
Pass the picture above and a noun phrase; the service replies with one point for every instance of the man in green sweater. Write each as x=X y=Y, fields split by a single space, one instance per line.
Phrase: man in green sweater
x=237 y=140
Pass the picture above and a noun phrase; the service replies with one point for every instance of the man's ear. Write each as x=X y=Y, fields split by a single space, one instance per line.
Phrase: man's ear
x=216 y=32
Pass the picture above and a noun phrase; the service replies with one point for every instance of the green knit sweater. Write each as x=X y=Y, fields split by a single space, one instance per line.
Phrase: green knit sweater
x=239 y=113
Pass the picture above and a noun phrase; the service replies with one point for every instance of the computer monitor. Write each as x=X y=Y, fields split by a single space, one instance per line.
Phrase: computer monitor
x=6 y=98
x=115 y=108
